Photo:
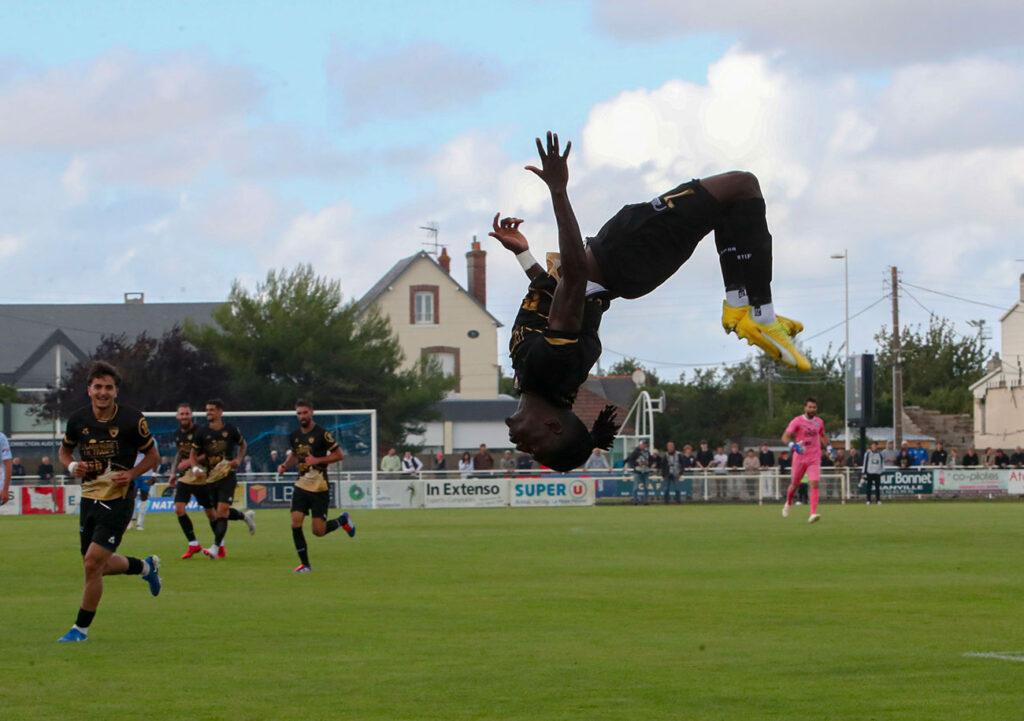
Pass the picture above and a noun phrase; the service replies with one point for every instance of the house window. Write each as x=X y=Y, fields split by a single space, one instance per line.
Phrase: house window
x=423 y=306
x=447 y=358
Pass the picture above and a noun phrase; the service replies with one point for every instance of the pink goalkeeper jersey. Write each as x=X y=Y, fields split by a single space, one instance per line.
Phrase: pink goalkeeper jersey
x=807 y=432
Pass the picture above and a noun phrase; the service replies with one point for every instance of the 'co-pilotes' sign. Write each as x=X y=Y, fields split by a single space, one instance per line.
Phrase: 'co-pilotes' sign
x=906 y=483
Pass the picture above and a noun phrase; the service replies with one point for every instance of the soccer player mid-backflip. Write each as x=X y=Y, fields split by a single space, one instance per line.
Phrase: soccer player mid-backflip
x=554 y=341
x=313 y=448
x=805 y=436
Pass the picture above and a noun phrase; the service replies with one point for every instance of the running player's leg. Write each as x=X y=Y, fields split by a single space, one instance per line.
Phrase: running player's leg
x=798 y=469
x=813 y=478
x=299 y=538
x=143 y=504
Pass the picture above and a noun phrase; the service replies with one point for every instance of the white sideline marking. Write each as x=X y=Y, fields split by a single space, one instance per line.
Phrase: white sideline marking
x=1001 y=655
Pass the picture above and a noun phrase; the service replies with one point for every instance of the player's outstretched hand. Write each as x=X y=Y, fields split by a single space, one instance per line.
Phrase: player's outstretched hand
x=554 y=167
x=797 y=448
x=507 y=233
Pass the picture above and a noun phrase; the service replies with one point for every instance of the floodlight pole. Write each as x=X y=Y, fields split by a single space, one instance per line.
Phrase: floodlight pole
x=846 y=350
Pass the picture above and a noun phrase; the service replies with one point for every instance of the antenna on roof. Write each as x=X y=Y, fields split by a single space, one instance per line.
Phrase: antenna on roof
x=432 y=228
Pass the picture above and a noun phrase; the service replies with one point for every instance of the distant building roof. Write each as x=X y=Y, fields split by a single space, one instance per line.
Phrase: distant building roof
x=620 y=390
x=28 y=332
x=397 y=270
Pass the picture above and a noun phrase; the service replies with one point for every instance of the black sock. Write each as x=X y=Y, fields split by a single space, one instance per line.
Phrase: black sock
x=186 y=527
x=747 y=226
x=235 y=515
x=728 y=256
x=220 y=529
x=300 y=544
x=332 y=525
x=213 y=526
x=134 y=566
x=84 y=618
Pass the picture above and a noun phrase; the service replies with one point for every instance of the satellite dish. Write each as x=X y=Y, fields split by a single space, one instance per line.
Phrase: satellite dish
x=639 y=378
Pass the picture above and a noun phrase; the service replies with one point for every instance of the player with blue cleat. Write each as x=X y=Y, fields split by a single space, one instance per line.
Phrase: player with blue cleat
x=73 y=636
x=152 y=577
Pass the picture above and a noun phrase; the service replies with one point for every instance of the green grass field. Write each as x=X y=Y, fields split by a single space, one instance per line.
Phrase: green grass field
x=721 y=612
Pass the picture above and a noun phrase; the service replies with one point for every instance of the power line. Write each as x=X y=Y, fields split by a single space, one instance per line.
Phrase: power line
x=833 y=327
x=954 y=297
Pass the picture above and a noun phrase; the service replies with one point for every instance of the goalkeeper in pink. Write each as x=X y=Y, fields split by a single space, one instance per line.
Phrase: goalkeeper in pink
x=805 y=436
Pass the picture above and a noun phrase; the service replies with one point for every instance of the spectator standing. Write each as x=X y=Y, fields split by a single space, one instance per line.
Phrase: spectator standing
x=871 y=472
x=391 y=463
x=751 y=463
x=990 y=458
x=465 y=465
x=598 y=461
x=705 y=458
x=903 y=460
x=735 y=459
x=673 y=465
x=890 y=454
x=7 y=465
x=275 y=461
x=918 y=455
x=766 y=459
x=483 y=461
x=16 y=468
x=524 y=462
x=842 y=460
x=508 y=463
x=785 y=464
x=1001 y=460
x=689 y=463
x=939 y=456
x=440 y=464
x=971 y=459
x=720 y=465
x=45 y=470
x=1017 y=458
x=411 y=464
x=640 y=461
x=954 y=459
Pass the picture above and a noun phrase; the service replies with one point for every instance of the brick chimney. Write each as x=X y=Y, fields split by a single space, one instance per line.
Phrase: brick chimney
x=476 y=272
x=445 y=261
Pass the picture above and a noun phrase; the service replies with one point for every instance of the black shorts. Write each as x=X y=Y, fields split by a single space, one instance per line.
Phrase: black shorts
x=223 y=491
x=184 y=491
x=104 y=522
x=645 y=243
x=315 y=504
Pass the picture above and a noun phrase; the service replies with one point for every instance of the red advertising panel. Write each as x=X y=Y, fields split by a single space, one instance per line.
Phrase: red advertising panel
x=42 y=499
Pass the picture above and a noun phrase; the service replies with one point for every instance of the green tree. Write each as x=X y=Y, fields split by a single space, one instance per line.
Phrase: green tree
x=294 y=337
x=939 y=366
x=157 y=374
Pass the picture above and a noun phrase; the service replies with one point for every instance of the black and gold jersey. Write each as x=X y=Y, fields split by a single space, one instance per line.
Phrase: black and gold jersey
x=106 y=446
x=185 y=441
x=318 y=442
x=551 y=363
x=217 y=445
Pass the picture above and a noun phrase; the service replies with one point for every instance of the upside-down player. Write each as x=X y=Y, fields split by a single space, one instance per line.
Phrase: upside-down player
x=108 y=437
x=805 y=436
x=313 y=448
x=554 y=341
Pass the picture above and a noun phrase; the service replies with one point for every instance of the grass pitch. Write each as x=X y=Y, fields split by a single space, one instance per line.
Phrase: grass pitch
x=716 y=612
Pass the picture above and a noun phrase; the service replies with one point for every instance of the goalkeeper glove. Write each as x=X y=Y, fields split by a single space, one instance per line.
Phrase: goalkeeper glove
x=796 y=447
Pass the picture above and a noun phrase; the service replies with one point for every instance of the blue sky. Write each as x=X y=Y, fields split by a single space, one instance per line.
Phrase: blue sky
x=172 y=148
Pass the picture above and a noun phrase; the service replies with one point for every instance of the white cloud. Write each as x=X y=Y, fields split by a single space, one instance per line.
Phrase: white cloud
x=10 y=245
x=243 y=215
x=121 y=97
x=869 y=33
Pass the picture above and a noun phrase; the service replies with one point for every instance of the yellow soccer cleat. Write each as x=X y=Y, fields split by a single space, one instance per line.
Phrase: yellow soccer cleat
x=774 y=339
x=733 y=314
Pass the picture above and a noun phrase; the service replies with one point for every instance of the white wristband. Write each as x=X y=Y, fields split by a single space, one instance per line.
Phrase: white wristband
x=526 y=259
x=71 y=467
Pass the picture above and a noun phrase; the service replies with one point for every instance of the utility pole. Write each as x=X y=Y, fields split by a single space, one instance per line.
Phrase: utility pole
x=897 y=364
